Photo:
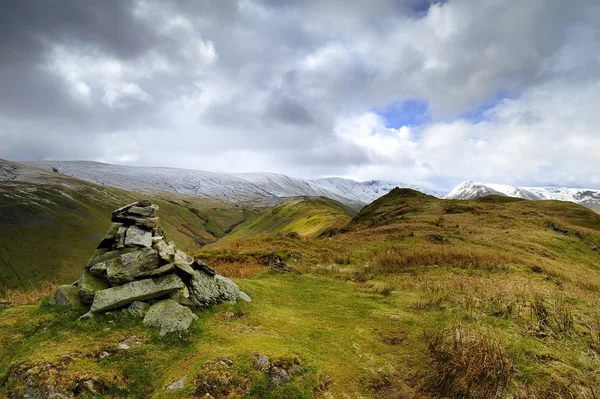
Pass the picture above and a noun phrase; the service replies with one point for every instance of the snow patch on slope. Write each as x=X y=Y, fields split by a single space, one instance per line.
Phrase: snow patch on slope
x=470 y=190
x=242 y=187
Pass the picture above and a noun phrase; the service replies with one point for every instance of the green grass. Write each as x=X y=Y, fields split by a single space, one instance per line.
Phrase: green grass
x=417 y=297
x=307 y=217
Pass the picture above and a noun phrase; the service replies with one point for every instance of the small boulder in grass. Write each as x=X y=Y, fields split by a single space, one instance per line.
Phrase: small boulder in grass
x=169 y=316
x=66 y=295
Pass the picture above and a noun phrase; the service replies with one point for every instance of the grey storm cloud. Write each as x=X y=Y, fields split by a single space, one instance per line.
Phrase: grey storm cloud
x=294 y=86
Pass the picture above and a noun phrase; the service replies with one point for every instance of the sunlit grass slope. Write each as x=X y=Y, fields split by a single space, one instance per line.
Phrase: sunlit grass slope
x=513 y=287
x=308 y=217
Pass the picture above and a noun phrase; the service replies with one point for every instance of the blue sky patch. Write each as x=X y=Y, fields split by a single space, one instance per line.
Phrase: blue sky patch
x=407 y=113
x=479 y=114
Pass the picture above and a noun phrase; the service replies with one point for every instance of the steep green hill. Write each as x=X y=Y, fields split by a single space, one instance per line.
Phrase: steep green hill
x=50 y=224
x=307 y=217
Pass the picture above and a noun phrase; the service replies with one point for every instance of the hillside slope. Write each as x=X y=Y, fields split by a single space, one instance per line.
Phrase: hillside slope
x=50 y=224
x=417 y=297
x=307 y=217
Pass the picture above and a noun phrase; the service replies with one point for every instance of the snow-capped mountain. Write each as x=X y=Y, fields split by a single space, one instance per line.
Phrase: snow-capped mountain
x=589 y=198
x=367 y=191
x=242 y=187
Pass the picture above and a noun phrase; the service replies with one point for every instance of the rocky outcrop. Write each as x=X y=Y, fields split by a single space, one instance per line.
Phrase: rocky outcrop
x=137 y=268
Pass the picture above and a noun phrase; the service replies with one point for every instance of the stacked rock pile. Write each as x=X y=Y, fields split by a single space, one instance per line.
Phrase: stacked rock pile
x=137 y=268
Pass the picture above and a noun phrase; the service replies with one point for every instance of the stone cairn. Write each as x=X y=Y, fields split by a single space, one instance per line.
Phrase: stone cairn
x=136 y=268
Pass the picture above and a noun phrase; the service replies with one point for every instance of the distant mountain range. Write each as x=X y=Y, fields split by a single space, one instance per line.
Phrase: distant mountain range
x=589 y=198
x=267 y=188
x=273 y=188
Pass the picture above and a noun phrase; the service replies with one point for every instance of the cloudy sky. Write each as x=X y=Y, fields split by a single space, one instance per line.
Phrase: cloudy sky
x=424 y=92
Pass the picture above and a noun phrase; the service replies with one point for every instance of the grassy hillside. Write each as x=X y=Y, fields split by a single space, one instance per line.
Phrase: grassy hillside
x=307 y=217
x=50 y=224
x=416 y=298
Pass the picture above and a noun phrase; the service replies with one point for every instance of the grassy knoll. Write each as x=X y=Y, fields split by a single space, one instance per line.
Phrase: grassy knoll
x=307 y=217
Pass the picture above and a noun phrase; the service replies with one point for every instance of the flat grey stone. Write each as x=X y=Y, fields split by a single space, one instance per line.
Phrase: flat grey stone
x=107 y=255
x=147 y=211
x=132 y=266
x=169 y=316
x=148 y=223
x=177 y=385
x=182 y=263
x=137 y=237
x=66 y=295
x=161 y=271
x=141 y=290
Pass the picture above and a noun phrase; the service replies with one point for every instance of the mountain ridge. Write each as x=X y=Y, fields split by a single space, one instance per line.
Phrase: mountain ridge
x=590 y=198
x=237 y=187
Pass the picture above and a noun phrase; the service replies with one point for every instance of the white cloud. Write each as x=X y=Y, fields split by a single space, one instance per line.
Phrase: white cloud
x=291 y=87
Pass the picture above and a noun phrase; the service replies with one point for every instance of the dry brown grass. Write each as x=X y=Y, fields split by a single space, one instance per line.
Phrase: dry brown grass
x=239 y=269
x=468 y=365
x=406 y=259
x=29 y=295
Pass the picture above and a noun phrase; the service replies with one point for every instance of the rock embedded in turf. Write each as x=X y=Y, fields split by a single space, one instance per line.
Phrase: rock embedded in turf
x=177 y=385
x=66 y=295
x=169 y=316
x=138 y=309
x=141 y=290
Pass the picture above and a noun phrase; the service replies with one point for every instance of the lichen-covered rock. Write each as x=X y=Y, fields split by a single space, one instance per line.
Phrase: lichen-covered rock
x=88 y=285
x=162 y=270
x=169 y=316
x=208 y=290
x=123 y=295
x=182 y=297
x=66 y=295
x=138 y=309
x=278 y=375
x=166 y=251
x=183 y=262
x=137 y=237
x=103 y=256
x=131 y=266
